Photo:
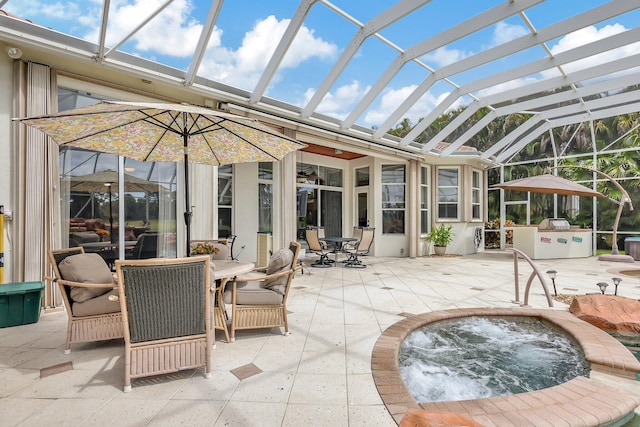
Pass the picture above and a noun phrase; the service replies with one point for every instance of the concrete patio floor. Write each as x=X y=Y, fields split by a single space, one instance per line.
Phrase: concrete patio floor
x=320 y=375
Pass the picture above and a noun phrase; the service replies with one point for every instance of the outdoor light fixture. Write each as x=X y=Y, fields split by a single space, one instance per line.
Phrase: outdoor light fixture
x=602 y=286
x=616 y=282
x=552 y=276
x=14 y=53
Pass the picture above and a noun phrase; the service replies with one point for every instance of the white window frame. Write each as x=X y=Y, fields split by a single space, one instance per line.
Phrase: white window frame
x=457 y=187
x=425 y=198
x=404 y=201
x=476 y=190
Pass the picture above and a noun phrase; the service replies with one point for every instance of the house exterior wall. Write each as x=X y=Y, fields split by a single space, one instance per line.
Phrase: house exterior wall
x=128 y=86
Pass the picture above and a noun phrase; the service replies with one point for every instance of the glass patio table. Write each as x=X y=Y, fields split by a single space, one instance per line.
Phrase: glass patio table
x=337 y=243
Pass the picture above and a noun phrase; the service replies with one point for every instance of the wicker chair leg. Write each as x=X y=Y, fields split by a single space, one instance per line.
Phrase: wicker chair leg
x=67 y=348
x=286 y=322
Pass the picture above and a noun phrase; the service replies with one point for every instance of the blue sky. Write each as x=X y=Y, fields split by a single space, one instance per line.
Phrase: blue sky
x=247 y=31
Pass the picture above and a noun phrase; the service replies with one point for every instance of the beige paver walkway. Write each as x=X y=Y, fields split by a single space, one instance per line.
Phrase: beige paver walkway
x=319 y=375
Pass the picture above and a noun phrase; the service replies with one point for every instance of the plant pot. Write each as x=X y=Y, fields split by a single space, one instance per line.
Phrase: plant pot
x=439 y=250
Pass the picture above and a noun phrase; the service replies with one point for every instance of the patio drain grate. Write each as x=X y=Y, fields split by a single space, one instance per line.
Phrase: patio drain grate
x=246 y=371
x=56 y=369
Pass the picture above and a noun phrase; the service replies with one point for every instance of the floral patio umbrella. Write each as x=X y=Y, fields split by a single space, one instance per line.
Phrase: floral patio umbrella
x=161 y=132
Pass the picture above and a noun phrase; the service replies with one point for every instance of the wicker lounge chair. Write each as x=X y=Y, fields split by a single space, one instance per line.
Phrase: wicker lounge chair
x=260 y=300
x=312 y=235
x=361 y=248
x=88 y=292
x=166 y=315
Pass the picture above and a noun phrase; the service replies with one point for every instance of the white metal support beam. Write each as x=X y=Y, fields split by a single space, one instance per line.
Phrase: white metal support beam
x=203 y=41
x=536 y=103
x=597 y=71
x=461 y=30
x=140 y=26
x=381 y=21
x=605 y=108
x=551 y=32
x=590 y=49
x=285 y=42
x=103 y=30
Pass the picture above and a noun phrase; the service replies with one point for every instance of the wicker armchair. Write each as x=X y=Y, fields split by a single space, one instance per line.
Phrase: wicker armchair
x=261 y=301
x=94 y=313
x=166 y=315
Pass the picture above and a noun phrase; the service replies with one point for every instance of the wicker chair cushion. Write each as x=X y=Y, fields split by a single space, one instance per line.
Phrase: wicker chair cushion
x=280 y=261
x=251 y=293
x=85 y=268
x=97 y=305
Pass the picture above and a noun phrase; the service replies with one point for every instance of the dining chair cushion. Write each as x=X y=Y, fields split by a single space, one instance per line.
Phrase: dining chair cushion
x=252 y=293
x=223 y=251
x=280 y=261
x=98 y=305
x=85 y=268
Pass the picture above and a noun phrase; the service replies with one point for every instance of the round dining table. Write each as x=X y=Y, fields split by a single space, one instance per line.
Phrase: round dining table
x=337 y=243
x=221 y=272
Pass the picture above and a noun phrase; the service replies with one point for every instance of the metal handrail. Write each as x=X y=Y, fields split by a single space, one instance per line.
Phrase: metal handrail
x=534 y=273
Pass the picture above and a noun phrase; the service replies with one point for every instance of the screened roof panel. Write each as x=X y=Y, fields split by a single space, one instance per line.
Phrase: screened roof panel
x=359 y=67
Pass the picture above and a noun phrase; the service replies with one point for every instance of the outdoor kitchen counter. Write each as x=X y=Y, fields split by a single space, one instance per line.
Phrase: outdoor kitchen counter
x=551 y=244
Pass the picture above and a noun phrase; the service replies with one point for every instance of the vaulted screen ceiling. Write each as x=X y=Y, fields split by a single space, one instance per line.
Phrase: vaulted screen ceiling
x=361 y=67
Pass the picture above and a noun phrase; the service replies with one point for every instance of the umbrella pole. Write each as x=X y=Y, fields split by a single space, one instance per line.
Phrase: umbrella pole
x=187 y=212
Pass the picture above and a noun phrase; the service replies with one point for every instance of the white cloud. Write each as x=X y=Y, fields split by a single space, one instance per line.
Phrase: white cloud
x=172 y=32
x=504 y=32
x=243 y=67
x=340 y=102
x=588 y=35
x=443 y=56
x=391 y=100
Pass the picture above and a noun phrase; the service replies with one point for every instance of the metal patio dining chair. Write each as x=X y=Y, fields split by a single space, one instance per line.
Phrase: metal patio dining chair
x=360 y=248
x=312 y=236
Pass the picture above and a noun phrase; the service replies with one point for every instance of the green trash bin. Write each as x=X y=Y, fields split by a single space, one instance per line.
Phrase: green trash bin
x=20 y=303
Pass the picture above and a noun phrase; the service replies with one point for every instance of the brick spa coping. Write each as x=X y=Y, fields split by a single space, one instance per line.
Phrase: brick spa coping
x=580 y=401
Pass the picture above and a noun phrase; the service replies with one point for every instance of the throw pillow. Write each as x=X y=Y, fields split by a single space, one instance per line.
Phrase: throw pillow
x=85 y=268
x=280 y=261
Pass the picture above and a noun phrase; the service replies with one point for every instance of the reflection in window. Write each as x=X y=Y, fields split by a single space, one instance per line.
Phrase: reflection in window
x=265 y=197
x=362 y=177
x=225 y=200
x=393 y=199
x=90 y=213
x=448 y=193
x=319 y=198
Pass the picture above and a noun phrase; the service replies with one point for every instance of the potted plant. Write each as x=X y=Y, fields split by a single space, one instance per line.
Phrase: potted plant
x=441 y=236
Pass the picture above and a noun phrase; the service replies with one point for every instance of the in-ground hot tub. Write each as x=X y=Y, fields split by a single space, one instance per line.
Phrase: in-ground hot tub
x=579 y=401
x=484 y=356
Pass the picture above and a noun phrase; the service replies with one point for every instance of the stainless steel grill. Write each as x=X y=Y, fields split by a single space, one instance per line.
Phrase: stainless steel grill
x=554 y=224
